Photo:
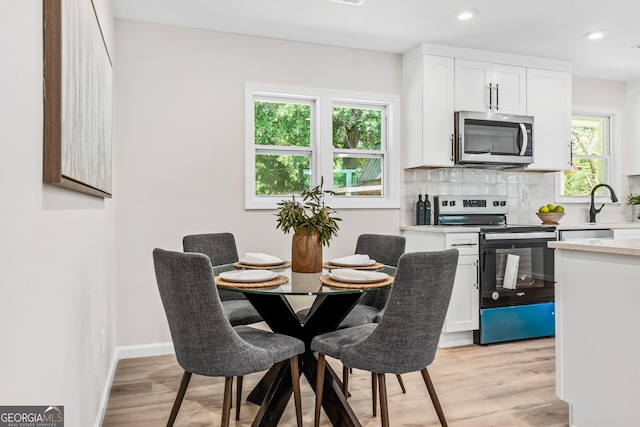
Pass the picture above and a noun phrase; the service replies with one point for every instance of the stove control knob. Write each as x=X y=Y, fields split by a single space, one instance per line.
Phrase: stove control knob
x=496 y=203
x=452 y=203
x=445 y=203
x=495 y=296
x=503 y=203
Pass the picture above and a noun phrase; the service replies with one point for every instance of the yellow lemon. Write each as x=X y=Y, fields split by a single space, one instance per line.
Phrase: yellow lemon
x=559 y=209
x=551 y=207
x=543 y=209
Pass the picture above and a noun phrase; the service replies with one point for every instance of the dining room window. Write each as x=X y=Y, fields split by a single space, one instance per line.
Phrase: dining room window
x=296 y=137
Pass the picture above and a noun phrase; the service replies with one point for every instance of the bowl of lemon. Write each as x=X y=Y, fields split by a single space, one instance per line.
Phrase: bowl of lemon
x=550 y=214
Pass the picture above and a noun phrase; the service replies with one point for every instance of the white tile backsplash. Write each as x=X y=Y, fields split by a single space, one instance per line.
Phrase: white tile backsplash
x=527 y=191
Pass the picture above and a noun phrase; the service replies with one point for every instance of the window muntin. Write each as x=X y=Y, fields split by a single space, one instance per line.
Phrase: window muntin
x=295 y=136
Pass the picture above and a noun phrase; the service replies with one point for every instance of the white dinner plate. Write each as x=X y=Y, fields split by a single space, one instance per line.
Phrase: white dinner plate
x=248 y=276
x=351 y=264
x=357 y=276
x=259 y=259
x=261 y=263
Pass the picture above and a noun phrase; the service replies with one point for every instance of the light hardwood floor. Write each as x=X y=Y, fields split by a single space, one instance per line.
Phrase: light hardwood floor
x=501 y=385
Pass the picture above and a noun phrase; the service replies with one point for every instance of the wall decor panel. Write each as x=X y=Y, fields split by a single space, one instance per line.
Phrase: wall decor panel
x=77 y=99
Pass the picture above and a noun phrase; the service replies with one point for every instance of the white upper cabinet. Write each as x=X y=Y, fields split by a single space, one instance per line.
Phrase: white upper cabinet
x=428 y=111
x=492 y=88
x=633 y=128
x=440 y=80
x=549 y=102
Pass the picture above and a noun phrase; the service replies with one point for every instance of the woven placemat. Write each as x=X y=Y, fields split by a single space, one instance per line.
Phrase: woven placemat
x=327 y=280
x=280 y=280
x=376 y=266
x=238 y=264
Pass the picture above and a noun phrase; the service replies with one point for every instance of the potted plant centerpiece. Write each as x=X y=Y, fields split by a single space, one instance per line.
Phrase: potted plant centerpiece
x=313 y=224
x=634 y=202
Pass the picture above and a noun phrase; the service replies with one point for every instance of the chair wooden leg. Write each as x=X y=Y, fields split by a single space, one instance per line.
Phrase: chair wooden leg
x=345 y=381
x=434 y=397
x=404 y=390
x=295 y=381
x=238 y=396
x=186 y=376
x=374 y=393
x=319 y=389
x=384 y=406
x=226 y=401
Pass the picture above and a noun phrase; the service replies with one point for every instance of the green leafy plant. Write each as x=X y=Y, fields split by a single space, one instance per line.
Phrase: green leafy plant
x=633 y=200
x=311 y=214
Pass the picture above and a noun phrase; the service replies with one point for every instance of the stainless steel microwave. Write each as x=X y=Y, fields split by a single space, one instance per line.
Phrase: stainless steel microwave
x=493 y=140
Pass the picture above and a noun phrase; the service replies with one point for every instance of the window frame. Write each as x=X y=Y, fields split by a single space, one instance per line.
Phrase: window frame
x=613 y=173
x=321 y=145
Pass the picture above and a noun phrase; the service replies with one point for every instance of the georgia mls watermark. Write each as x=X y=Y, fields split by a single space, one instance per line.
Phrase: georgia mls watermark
x=32 y=416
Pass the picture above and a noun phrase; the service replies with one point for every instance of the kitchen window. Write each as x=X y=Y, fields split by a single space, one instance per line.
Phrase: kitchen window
x=595 y=144
x=295 y=137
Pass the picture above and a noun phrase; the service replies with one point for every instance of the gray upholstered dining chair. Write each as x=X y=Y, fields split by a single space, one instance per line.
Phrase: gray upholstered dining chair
x=386 y=249
x=204 y=340
x=221 y=249
x=406 y=338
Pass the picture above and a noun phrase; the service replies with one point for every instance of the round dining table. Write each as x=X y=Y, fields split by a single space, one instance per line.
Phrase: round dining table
x=330 y=306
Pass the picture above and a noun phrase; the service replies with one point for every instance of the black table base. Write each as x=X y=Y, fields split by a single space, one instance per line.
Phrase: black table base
x=274 y=390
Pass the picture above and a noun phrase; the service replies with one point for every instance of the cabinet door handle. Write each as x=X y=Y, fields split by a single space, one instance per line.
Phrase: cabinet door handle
x=452 y=147
x=490 y=96
x=476 y=284
x=497 y=99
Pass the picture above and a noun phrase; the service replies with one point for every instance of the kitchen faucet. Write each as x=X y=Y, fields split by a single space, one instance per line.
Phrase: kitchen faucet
x=592 y=210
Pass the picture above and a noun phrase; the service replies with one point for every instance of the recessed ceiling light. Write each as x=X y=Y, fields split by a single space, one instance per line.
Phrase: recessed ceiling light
x=465 y=15
x=351 y=2
x=595 y=35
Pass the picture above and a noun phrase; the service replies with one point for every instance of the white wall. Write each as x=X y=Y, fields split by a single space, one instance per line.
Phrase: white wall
x=57 y=268
x=180 y=148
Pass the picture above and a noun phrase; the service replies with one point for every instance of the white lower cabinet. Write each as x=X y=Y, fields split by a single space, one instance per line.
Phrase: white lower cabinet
x=464 y=308
x=626 y=233
x=463 y=313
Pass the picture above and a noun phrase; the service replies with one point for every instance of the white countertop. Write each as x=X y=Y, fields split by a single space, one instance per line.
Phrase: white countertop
x=588 y=225
x=471 y=229
x=440 y=228
x=607 y=246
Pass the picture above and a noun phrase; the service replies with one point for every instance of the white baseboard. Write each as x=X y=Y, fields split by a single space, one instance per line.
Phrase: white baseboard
x=127 y=352
x=144 y=350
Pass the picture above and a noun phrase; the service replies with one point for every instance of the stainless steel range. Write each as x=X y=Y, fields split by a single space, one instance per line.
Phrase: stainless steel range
x=515 y=272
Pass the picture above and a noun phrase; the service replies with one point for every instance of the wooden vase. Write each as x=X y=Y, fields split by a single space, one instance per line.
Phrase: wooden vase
x=306 y=252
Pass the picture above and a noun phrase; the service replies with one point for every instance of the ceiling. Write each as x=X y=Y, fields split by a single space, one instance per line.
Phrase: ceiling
x=552 y=29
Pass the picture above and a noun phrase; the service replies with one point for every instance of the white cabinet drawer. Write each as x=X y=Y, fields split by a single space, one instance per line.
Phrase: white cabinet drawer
x=465 y=243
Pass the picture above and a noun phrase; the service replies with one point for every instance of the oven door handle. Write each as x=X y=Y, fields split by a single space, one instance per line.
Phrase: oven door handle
x=463 y=244
x=521 y=236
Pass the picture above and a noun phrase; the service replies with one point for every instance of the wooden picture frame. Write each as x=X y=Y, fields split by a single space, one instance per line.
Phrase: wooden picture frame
x=77 y=99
